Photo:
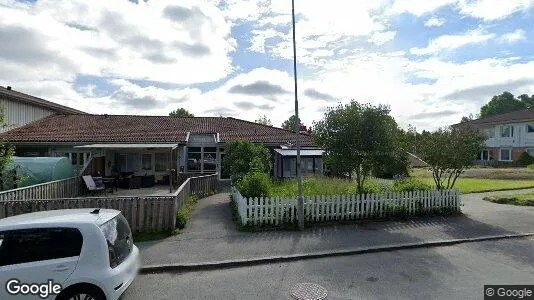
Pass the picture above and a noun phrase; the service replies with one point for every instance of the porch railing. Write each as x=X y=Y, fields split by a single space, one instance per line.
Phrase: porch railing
x=64 y=188
x=144 y=213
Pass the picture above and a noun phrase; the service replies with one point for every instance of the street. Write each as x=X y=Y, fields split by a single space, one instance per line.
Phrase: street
x=452 y=272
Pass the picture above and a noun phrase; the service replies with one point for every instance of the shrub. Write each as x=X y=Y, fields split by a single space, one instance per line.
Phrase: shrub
x=525 y=159
x=410 y=185
x=183 y=214
x=255 y=184
x=531 y=166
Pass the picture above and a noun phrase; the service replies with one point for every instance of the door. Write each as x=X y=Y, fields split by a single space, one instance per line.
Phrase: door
x=38 y=255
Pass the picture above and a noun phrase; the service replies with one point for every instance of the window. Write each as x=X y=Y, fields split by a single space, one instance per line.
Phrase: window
x=210 y=159
x=530 y=128
x=146 y=162
x=506 y=155
x=119 y=237
x=507 y=131
x=127 y=162
x=490 y=132
x=194 y=155
x=28 y=245
x=530 y=152
x=483 y=155
x=162 y=162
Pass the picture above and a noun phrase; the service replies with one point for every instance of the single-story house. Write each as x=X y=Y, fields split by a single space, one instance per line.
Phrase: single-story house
x=154 y=145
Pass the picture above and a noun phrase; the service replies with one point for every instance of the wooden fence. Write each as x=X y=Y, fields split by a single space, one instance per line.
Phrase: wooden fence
x=144 y=213
x=64 y=188
x=277 y=211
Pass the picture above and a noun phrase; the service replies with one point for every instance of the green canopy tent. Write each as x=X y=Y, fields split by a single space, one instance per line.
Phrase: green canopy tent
x=26 y=171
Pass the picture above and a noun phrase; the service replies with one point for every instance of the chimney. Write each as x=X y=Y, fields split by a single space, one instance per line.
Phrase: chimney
x=8 y=88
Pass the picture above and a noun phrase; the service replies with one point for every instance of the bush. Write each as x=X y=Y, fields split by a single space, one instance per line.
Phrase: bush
x=531 y=166
x=525 y=159
x=410 y=185
x=255 y=184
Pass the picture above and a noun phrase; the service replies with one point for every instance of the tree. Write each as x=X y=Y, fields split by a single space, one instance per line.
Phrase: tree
x=291 y=123
x=242 y=157
x=6 y=151
x=469 y=118
x=450 y=151
x=264 y=120
x=180 y=112
x=357 y=138
x=506 y=102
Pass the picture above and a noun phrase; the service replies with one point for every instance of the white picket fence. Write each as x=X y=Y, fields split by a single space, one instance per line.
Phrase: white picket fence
x=277 y=211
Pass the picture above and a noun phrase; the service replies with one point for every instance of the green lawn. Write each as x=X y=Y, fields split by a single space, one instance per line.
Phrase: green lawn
x=519 y=199
x=477 y=185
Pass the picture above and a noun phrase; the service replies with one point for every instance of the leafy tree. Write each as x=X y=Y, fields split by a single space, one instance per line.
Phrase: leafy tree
x=291 y=123
x=180 y=112
x=243 y=157
x=6 y=151
x=449 y=152
x=264 y=120
x=469 y=118
x=357 y=138
x=506 y=102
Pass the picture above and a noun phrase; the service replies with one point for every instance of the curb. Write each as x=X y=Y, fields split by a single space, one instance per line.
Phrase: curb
x=224 y=264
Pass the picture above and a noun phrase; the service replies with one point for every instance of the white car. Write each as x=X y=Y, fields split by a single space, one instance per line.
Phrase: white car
x=67 y=254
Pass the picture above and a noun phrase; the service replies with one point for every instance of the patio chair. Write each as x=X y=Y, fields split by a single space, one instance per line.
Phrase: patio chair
x=92 y=186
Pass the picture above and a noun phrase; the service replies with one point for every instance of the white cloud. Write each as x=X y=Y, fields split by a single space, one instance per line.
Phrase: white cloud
x=419 y=7
x=513 y=37
x=155 y=40
x=435 y=22
x=489 y=10
x=380 y=38
x=451 y=42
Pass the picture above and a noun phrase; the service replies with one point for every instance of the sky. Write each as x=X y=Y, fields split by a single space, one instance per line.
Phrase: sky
x=431 y=61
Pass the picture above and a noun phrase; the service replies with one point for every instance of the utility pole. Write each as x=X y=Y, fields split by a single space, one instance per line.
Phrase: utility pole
x=300 y=200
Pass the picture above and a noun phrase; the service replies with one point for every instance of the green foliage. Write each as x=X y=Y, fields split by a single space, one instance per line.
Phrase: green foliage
x=264 y=120
x=525 y=159
x=291 y=123
x=531 y=166
x=255 y=184
x=242 y=157
x=182 y=216
x=410 y=185
x=449 y=151
x=520 y=199
x=6 y=151
x=180 y=112
x=358 y=138
x=506 y=102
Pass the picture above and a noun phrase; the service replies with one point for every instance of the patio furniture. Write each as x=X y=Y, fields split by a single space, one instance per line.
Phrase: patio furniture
x=92 y=185
x=132 y=182
x=148 y=181
x=111 y=183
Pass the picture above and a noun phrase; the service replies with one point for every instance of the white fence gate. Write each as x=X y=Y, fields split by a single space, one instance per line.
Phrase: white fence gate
x=277 y=210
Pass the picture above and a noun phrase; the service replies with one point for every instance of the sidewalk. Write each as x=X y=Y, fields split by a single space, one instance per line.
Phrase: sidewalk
x=211 y=236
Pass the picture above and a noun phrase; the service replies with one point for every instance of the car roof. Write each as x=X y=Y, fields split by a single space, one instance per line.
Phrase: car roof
x=60 y=217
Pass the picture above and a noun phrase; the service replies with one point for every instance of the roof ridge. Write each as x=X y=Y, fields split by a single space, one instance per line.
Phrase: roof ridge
x=269 y=126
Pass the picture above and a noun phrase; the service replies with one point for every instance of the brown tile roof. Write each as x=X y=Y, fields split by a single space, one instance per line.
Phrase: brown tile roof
x=18 y=96
x=139 y=129
x=524 y=115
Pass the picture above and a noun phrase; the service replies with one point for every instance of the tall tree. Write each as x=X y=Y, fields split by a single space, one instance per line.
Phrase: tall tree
x=357 y=138
x=291 y=123
x=264 y=120
x=468 y=118
x=180 y=112
x=505 y=102
x=450 y=151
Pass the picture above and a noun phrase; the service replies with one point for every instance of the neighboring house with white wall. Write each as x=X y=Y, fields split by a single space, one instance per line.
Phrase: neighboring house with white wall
x=508 y=136
x=21 y=109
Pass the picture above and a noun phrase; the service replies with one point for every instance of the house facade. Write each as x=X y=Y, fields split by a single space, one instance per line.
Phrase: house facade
x=20 y=109
x=508 y=136
x=157 y=145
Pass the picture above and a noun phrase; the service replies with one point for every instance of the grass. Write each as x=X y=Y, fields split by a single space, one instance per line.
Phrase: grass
x=520 y=199
x=313 y=186
x=479 y=185
x=182 y=216
x=486 y=173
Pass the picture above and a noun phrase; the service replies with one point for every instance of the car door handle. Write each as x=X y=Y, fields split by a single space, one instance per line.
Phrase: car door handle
x=61 y=268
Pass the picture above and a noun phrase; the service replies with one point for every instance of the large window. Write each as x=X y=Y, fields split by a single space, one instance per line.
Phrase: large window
x=507 y=131
x=161 y=163
x=490 y=132
x=194 y=155
x=27 y=245
x=483 y=155
x=506 y=154
x=210 y=159
x=530 y=128
x=127 y=162
x=146 y=162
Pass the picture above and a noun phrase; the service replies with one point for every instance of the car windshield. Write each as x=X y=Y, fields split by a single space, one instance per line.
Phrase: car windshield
x=119 y=238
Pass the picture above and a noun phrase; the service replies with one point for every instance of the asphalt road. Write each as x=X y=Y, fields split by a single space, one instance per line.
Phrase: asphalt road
x=453 y=272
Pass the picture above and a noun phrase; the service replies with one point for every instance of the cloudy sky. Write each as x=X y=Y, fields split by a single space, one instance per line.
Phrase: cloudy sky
x=432 y=61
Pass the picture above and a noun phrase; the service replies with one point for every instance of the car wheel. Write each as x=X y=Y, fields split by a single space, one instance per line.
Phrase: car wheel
x=82 y=293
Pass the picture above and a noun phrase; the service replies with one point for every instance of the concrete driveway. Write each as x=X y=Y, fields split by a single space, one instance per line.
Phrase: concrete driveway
x=211 y=235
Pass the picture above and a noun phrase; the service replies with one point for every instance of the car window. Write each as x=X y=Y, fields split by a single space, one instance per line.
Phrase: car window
x=119 y=238
x=28 y=245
